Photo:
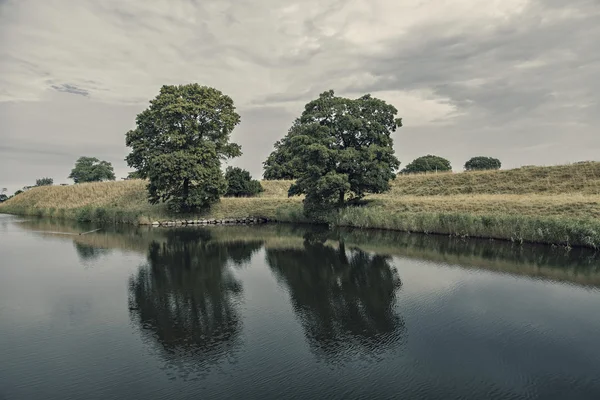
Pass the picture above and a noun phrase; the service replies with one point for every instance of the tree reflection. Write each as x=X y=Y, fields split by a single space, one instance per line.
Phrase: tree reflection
x=344 y=299
x=89 y=253
x=185 y=298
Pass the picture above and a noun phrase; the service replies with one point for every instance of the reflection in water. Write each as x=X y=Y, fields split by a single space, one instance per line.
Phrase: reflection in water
x=185 y=298
x=577 y=265
x=88 y=253
x=344 y=299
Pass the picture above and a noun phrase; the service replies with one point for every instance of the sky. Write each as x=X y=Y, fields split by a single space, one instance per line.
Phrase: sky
x=514 y=79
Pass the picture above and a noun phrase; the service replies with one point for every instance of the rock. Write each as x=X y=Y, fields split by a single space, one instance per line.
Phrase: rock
x=155 y=223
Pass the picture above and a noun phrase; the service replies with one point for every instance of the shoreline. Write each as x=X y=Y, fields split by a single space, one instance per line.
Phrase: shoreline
x=556 y=205
x=567 y=232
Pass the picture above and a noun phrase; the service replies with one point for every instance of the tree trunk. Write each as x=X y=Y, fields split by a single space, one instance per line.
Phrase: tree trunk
x=341 y=198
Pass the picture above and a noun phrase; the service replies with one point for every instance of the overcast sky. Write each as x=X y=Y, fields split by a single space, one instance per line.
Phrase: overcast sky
x=514 y=79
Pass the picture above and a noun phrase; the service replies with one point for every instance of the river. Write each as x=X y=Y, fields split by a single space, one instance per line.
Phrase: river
x=291 y=312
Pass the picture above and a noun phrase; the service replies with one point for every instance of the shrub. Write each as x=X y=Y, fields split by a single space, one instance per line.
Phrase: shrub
x=482 y=163
x=241 y=184
x=44 y=182
x=428 y=163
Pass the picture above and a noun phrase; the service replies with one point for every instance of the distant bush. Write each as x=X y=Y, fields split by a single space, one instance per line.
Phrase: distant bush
x=44 y=182
x=481 y=163
x=241 y=184
x=428 y=163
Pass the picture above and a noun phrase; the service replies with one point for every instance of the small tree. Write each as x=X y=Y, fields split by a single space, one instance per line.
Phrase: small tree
x=482 y=163
x=340 y=149
x=428 y=163
x=91 y=169
x=44 y=182
x=3 y=197
x=240 y=183
x=18 y=192
x=179 y=143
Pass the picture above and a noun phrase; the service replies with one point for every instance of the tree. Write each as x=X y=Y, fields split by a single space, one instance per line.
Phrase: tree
x=240 y=183
x=428 y=163
x=179 y=142
x=91 y=169
x=3 y=198
x=277 y=165
x=44 y=182
x=341 y=148
x=482 y=163
x=17 y=192
x=134 y=175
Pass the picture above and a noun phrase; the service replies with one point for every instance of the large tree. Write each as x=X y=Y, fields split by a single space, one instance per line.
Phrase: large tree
x=179 y=143
x=341 y=149
x=428 y=163
x=91 y=169
x=277 y=166
x=482 y=163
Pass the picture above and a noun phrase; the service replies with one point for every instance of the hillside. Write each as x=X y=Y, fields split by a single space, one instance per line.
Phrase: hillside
x=520 y=201
x=581 y=178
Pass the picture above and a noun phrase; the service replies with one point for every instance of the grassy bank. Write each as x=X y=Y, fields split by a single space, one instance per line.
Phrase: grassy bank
x=555 y=205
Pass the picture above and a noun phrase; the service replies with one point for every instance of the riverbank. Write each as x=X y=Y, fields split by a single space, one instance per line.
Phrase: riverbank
x=553 y=205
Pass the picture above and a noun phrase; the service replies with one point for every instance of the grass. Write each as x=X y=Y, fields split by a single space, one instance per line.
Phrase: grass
x=557 y=204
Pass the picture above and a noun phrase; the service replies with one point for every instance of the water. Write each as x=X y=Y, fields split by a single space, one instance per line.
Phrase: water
x=279 y=312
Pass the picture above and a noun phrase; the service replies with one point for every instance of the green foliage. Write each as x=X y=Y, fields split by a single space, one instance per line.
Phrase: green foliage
x=428 y=163
x=3 y=198
x=91 y=169
x=241 y=184
x=44 y=182
x=277 y=166
x=341 y=148
x=134 y=175
x=18 y=192
x=179 y=143
x=482 y=163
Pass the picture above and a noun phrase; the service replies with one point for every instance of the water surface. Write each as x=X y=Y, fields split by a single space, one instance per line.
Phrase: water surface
x=282 y=312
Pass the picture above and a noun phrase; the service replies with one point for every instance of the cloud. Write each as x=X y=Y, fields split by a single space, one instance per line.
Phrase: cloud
x=467 y=76
x=65 y=87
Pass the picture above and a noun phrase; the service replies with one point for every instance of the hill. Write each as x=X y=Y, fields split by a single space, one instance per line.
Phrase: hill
x=557 y=204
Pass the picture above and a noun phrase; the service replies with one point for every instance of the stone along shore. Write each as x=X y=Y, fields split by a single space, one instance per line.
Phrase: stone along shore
x=223 y=221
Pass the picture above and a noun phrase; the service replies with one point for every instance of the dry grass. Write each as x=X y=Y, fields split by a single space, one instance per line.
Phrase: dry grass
x=560 y=205
x=581 y=178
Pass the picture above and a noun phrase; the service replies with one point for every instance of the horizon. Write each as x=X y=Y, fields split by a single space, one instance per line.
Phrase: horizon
x=514 y=80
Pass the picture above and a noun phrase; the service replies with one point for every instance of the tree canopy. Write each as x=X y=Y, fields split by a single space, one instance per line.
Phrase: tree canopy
x=339 y=149
x=482 y=163
x=428 y=163
x=240 y=183
x=277 y=165
x=91 y=169
x=179 y=142
x=44 y=182
x=3 y=197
